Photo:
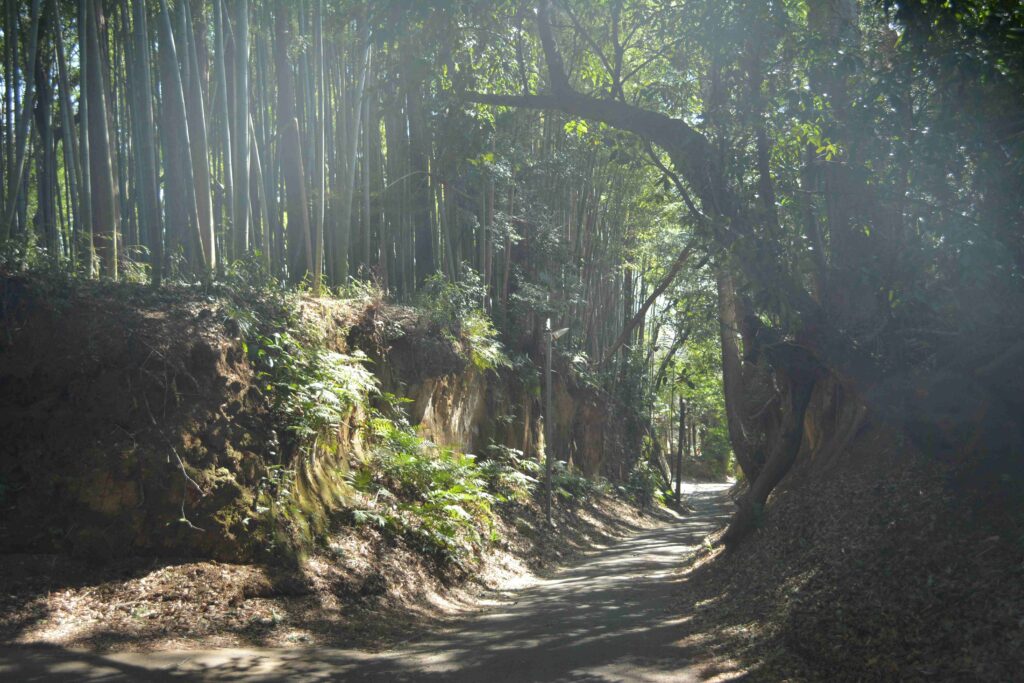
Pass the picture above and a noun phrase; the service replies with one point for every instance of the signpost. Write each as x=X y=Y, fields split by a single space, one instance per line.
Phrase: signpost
x=551 y=336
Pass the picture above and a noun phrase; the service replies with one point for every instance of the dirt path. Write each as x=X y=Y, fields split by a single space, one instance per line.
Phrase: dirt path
x=609 y=618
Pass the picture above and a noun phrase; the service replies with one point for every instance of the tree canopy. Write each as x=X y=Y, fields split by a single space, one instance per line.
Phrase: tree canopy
x=801 y=189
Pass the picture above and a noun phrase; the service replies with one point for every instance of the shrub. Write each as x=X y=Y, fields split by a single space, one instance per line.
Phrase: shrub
x=573 y=486
x=511 y=476
x=644 y=485
x=436 y=498
x=456 y=307
x=313 y=389
x=485 y=350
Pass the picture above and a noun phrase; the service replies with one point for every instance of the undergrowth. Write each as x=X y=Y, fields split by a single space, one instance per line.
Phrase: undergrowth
x=314 y=389
x=341 y=449
x=437 y=499
x=572 y=486
x=440 y=502
x=644 y=486
x=456 y=308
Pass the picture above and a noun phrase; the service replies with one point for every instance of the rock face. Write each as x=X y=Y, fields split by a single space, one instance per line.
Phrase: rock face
x=134 y=422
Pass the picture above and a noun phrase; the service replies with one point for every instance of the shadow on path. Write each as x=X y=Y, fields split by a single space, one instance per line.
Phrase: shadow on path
x=608 y=618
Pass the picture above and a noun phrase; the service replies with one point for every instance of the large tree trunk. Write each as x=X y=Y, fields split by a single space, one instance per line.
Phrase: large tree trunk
x=195 y=111
x=732 y=376
x=849 y=297
x=796 y=370
x=240 y=132
x=695 y=159
x=182 y=214
x=319 y=186
x=16 y=173
x=419 y=181
x=680 y=450
x=220 y=43
x=72 y=169
x=46 y=174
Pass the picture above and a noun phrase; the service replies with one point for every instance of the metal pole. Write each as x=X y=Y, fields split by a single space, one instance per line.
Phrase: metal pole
x=682 y=446
x=548 y=447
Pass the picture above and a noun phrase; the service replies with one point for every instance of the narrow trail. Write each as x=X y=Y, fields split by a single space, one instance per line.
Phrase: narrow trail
x=609 y=618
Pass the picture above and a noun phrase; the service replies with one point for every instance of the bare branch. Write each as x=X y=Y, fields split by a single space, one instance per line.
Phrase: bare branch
x=677 y=266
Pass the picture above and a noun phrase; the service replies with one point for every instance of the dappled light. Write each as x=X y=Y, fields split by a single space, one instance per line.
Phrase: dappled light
x=590 y=623
x=545 y=340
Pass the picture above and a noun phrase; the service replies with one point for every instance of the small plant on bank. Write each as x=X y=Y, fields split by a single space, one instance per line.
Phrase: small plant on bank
x=571 y=485
x=456 y=307
x=643 y=488
x=509 y=474
x=436 y=498
x=485 y=350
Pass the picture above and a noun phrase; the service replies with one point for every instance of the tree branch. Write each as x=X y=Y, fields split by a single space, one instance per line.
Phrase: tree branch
x=695 y=160
x=677 y=266
x=553 y=58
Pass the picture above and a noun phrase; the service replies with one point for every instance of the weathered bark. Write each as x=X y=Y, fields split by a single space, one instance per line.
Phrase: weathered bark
x=732 y=375
x=797 y=370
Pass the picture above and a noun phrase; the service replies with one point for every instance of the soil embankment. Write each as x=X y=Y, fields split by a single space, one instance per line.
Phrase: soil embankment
x=144 y=446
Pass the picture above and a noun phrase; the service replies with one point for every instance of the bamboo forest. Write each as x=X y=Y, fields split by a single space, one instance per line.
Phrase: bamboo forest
x=512 y=340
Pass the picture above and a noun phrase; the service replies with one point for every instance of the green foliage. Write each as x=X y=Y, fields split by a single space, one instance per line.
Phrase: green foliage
x=716 y=449
x=644 y=485
x=361 y=289
x=573 y=486
x=278 y=511
x=135 y=268
x=509 y=474
x=435 y=498
x=314 y=389
x=485 y=350
x=447 y=303
x=455 y=307
x=26 y=256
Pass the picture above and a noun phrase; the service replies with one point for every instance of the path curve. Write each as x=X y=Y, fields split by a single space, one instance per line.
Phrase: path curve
x=609 y=618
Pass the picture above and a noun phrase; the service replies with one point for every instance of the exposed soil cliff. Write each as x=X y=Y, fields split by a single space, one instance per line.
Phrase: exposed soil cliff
x=135 y=421
x=131 y=422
